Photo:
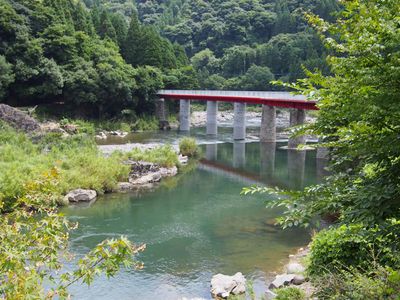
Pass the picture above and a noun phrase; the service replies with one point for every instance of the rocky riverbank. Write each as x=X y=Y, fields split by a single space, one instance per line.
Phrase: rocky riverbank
x=293 y=275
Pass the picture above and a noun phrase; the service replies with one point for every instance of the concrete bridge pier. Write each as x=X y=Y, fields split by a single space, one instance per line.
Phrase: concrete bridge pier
x=297 y=117
x=212 y=114
x=184 y=115
x=268 y=124
x=239 y=121
x=239 y=154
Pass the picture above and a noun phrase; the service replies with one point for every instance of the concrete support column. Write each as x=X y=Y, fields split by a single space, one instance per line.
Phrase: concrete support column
x=211 y=152
x=239 y=154
x=268 y=124
x=160 y=110
x=267 y=159
x=297 y=117
x=184 y=115
x=212 y=113
x=239 y=121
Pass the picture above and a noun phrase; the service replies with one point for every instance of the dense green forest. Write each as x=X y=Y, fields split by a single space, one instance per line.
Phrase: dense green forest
x=109 y=57
x=61 y=52
x=238 y=44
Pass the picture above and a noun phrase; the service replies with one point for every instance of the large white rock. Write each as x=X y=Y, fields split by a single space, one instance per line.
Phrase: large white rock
x=224 y=285
x=294 y=268
x=81 y=195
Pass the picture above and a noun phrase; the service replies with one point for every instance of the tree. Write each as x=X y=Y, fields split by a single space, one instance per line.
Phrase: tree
x=6 y=76
x=358 y=117
x=106 y=28
x=131 y=46
x=256 y=79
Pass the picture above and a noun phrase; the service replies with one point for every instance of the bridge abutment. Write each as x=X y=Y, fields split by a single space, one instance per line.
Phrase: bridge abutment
x=212 y=114
x=297 y=117
x=239 y=121
x=268 y=124
x=184 y=115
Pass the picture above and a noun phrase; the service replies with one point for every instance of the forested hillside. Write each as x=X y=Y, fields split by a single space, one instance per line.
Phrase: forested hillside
x=110 y=56
x=238 y=44
x=62 y=52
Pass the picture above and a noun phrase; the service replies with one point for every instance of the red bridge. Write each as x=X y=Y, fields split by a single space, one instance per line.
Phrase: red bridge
x=269 y=101
x=276 y=99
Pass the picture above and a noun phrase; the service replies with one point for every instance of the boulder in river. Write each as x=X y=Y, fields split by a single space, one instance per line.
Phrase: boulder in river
x=223 y=285
x=81 y=195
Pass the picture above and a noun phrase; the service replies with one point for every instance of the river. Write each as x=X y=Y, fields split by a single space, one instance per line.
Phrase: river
x=197 y=224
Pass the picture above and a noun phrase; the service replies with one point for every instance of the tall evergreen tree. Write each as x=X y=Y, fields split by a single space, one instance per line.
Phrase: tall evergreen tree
x=120 y=26
x=106 y=28
x=131 y=47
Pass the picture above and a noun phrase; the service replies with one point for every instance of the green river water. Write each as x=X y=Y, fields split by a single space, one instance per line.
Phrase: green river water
x=197 y=224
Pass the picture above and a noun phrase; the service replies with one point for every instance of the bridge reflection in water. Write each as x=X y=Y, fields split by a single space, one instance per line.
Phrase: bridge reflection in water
x=264 y=164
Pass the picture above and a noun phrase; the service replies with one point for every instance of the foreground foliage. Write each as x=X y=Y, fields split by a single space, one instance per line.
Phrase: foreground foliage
x=355 y=246
x=33 y=248
x=359 y=122
x=379 y=284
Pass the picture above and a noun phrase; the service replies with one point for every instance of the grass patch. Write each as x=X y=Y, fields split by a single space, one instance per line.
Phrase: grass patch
x=77 y=159
x=165 y=156
x=188 y=147
x=290 y=293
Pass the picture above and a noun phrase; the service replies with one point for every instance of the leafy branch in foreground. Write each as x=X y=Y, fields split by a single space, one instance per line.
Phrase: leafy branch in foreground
x=34 y=240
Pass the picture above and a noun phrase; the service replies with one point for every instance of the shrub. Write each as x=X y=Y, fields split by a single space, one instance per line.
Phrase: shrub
x=146 y=124
x=355 y=246
x=188 y=147
x=290 y=293
x=380 y=283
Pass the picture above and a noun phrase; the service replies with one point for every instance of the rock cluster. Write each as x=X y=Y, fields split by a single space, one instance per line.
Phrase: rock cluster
x=223 y=285
x=145 y=173
x=293 y=275
x=18 y=119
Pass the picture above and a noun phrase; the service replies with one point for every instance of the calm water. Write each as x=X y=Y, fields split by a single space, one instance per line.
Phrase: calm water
x=197 y=224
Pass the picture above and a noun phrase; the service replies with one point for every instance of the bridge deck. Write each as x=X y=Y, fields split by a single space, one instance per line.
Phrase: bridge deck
x=278 y=99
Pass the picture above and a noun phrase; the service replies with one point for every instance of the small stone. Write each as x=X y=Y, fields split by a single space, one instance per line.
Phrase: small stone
x=281 y=280
x=294 y=268
x=298 y=279
x=81 y=195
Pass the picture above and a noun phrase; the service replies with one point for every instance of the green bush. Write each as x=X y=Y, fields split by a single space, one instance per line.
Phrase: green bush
x=290 y=293
x=146 y=124
x=355 y=246
x=188 y=147
x=378 y=284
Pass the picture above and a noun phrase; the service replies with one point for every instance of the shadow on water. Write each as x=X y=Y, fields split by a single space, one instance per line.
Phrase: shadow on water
x=199 y=225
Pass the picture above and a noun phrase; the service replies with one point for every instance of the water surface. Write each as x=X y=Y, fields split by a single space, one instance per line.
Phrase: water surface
x=197 y=224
